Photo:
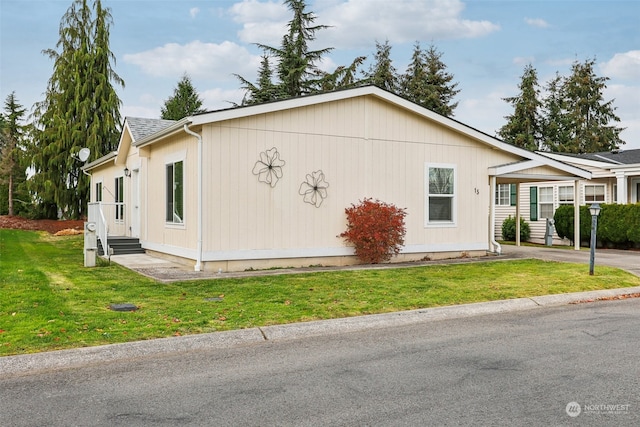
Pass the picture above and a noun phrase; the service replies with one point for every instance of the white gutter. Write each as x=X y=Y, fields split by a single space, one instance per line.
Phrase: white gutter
x=198 y=265
x=492 y=217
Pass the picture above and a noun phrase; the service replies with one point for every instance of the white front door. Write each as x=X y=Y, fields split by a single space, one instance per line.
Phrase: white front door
x=135 y=203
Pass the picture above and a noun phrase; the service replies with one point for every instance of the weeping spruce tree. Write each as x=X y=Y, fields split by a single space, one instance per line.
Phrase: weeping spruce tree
x=80 y=109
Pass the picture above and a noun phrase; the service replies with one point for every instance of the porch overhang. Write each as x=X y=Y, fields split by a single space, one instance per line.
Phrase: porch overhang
x=533 y=170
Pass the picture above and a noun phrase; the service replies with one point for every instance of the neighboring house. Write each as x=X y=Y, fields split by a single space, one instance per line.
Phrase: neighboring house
x=267 y=185
x=615 y=179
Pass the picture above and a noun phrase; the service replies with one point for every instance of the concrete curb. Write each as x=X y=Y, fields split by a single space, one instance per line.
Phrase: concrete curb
x=66 y=359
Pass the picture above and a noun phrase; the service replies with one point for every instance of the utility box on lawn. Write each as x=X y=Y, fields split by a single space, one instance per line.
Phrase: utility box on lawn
x=90 y=244
x=549 y=230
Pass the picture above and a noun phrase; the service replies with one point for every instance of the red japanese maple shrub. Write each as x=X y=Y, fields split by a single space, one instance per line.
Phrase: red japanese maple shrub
x=376 y=230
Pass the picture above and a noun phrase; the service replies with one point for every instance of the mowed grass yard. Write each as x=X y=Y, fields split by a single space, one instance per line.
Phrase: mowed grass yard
x=49 y=301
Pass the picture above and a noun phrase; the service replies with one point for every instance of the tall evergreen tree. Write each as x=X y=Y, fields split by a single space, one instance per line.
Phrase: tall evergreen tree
x=341 y=78
x=264 y=90
x=555 y=129
x=382 y=73
x=589 y=117
x=297 y=64
x=81 y=109
x=12 y=152
x=524 y=127
x=184 y=102
x=443 y=90
x=427 y=83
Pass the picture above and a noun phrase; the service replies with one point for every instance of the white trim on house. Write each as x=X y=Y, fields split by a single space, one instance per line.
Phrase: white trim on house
x=262 y=254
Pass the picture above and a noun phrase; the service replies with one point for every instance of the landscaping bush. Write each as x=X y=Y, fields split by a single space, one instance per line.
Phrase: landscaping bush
x=376 y=230
x=618 y=225
x=509 y=229
x=563 y=222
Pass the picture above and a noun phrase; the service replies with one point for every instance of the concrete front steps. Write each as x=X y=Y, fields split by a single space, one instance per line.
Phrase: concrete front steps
x=122 y=245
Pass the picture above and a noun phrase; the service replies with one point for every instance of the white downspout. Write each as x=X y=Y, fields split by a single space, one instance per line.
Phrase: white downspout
x=492 y=215
x=198 y=265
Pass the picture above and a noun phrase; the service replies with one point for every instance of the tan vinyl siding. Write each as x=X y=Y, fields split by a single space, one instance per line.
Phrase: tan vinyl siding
x=365 y=149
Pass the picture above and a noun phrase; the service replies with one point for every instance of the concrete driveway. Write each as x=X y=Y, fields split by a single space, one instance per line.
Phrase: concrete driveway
x=626 y=260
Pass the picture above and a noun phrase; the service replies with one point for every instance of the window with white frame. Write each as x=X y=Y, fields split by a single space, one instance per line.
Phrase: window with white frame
x=440 y=194
x=503 y=195
x=565 y=195
x=119 y=198
x=545 y=202
x=594 y=193
x=615 y=193
x=98 y=195
x=175 y=193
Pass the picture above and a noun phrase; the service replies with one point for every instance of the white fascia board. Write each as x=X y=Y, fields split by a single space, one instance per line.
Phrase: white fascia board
x=513 y=167
x=577 y=160
x=99 y=162
x=525 y=177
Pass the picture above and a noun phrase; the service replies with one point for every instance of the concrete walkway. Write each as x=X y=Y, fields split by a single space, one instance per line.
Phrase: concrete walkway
x=167 y=271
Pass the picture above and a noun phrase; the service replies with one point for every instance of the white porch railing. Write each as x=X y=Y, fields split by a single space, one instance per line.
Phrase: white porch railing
x=110 y=221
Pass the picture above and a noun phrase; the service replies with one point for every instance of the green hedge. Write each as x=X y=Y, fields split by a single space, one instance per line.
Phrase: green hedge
x=618 y=225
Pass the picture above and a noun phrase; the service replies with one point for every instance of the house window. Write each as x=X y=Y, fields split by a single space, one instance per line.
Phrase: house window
x=440 y=194
x=175 y=193
x=119 y=196
x=565 y=195
x=98 y=194
x=545 y=202
x=594 y=193
x=615 y=193
x=503 y=195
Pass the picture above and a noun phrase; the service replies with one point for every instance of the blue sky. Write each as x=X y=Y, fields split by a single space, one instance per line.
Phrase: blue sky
x=485 y=45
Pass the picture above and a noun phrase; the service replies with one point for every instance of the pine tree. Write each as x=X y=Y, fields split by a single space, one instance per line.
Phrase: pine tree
x=427 y=83
x=523 y=127
x=184 y=102
x=440 y=82
x=555 y=129
x=81 y=109
x=12 y=152
x=382 y=73
x=589 y=117
x=341 y=78
x=296 y=64
x=264 y=90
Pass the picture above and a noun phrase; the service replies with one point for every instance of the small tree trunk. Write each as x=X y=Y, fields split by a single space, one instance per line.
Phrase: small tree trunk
x=10 y=194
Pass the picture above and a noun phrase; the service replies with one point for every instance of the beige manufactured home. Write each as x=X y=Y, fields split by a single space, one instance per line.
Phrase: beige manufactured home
x=267 y=185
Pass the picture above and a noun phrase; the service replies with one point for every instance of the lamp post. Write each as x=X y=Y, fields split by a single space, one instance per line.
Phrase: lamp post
x=594 y=209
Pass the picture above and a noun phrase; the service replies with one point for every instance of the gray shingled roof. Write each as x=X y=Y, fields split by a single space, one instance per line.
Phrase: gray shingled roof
x=141 y=127
x=625 y=157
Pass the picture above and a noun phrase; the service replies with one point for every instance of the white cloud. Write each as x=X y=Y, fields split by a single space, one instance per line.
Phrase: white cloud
x=216 y=99
x=537 y=22
x=197 y=59
x=357 y=23
x=623 y=66
x=194 y=11
x=262 y=22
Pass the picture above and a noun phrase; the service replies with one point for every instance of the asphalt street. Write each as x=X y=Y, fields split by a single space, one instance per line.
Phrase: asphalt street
x=551 y=365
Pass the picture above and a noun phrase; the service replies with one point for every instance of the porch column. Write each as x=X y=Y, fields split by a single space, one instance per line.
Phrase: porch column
x=621 y=181
x=576 y=215
x=518 y=214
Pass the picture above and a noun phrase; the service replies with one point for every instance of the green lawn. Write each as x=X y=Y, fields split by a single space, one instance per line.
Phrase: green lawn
x=49 y=301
